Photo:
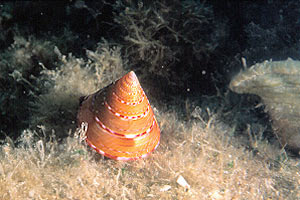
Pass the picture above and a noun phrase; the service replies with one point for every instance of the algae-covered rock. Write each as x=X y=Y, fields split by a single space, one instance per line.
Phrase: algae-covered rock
x=278 y=84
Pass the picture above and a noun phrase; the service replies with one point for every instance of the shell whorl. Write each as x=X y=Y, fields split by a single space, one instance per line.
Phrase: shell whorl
x=121 y=123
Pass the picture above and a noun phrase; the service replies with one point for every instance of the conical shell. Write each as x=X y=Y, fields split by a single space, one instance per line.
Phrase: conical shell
x=278 y=84
x=121 y=123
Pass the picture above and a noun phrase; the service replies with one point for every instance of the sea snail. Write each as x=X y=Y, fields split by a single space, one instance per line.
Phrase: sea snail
x=120 y=121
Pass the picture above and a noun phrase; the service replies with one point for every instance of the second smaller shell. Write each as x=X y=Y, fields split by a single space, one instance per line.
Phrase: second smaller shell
x=278 y=84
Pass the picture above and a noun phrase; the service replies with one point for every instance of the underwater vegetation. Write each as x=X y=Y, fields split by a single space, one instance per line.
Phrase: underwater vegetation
x=162 y=35
x=214 y=143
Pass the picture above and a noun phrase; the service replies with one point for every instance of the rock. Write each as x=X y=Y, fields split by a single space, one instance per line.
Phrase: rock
x=278 y=84
x=182 y=182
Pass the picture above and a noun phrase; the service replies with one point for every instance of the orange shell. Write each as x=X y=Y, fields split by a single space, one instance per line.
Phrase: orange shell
x=121 y=123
